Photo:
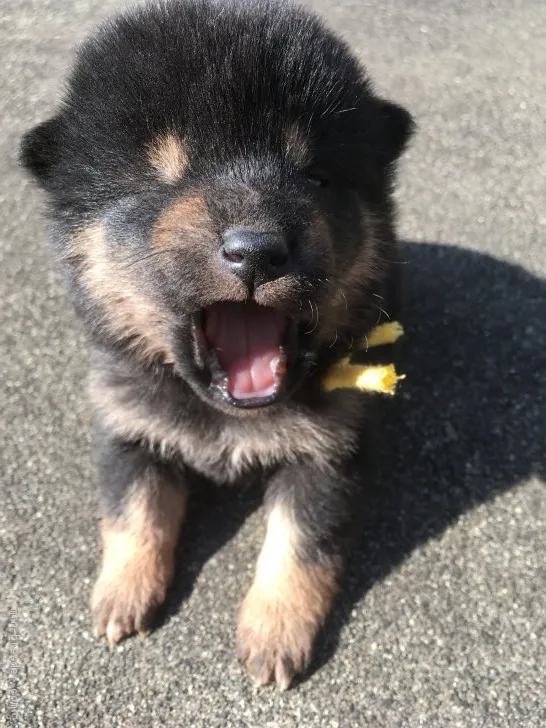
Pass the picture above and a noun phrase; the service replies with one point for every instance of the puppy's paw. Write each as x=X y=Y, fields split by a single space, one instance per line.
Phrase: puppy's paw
x=126 y=603
x=274 y=640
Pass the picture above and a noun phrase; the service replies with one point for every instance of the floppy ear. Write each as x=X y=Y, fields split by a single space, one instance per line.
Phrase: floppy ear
x=395 y=127
x=39 y=149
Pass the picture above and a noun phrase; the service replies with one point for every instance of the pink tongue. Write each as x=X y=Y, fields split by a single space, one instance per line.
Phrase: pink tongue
x=247 y=339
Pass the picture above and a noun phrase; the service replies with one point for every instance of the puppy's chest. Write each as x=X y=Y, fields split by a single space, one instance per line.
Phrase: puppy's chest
x=227 y=453
x=220 y=448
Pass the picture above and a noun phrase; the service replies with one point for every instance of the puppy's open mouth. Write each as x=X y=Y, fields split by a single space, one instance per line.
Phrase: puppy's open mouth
x=247 y=351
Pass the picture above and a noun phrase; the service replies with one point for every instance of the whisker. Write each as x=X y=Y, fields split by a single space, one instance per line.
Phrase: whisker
x=382 y=310
x=146 y=257
x=136 y=255
x=312 y=317
x=342 y=111
x=394 y=262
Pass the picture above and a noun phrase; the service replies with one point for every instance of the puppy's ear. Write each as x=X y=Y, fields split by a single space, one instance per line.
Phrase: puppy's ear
x=39 y=149
x=395 y=127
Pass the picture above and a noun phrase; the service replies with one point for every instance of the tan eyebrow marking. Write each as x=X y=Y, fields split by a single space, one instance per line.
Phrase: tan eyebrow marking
x=167 y=156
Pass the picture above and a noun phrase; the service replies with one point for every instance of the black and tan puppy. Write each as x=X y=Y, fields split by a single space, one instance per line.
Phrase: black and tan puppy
x=219 y=177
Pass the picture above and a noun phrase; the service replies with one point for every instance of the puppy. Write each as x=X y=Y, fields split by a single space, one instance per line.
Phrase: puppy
x=219 y=178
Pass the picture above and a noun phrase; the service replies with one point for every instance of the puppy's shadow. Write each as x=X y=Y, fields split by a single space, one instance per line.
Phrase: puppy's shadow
x=470 y=420
x=468 y=423
x=215 y=514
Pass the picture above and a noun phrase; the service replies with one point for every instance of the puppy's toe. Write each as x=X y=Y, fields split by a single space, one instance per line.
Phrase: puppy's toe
x=123 y=606
x=273 y=641
x=117 y=628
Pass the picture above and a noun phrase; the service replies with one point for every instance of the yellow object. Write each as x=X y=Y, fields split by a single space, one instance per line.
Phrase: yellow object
x=387 y=333
x=368 y=378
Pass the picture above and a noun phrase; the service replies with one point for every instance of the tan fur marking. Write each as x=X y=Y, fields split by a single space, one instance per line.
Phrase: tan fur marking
x=186 y=216
x=138 y=559
x=285 y=606
x=285 y=291
x=168 y=157
x=297 y=145
x=130 y=315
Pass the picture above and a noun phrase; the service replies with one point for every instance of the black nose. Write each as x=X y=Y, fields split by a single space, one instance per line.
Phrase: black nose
x=256 y=257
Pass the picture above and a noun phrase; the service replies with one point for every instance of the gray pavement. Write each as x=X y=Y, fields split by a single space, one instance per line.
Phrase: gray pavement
x=442 y=621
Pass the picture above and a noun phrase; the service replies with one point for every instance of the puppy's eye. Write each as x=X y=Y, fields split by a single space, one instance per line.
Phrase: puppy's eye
x=317 y=180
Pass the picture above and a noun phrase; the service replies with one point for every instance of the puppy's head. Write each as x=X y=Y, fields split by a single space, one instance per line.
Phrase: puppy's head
x=219 y=177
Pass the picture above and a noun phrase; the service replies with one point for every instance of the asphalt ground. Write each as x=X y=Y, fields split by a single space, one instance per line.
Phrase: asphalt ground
x=442 y=620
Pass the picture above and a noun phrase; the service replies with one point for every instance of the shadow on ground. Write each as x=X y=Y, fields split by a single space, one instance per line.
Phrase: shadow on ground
x=468 y=424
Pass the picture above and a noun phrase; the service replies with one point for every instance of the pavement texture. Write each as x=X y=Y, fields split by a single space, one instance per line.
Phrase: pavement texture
x=442 y=620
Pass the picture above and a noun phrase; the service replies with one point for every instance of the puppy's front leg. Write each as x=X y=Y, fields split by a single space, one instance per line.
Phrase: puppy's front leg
x=143 y=506
x=297 y=572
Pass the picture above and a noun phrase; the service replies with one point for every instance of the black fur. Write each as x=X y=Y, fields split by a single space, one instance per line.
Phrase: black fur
x=230 y=80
